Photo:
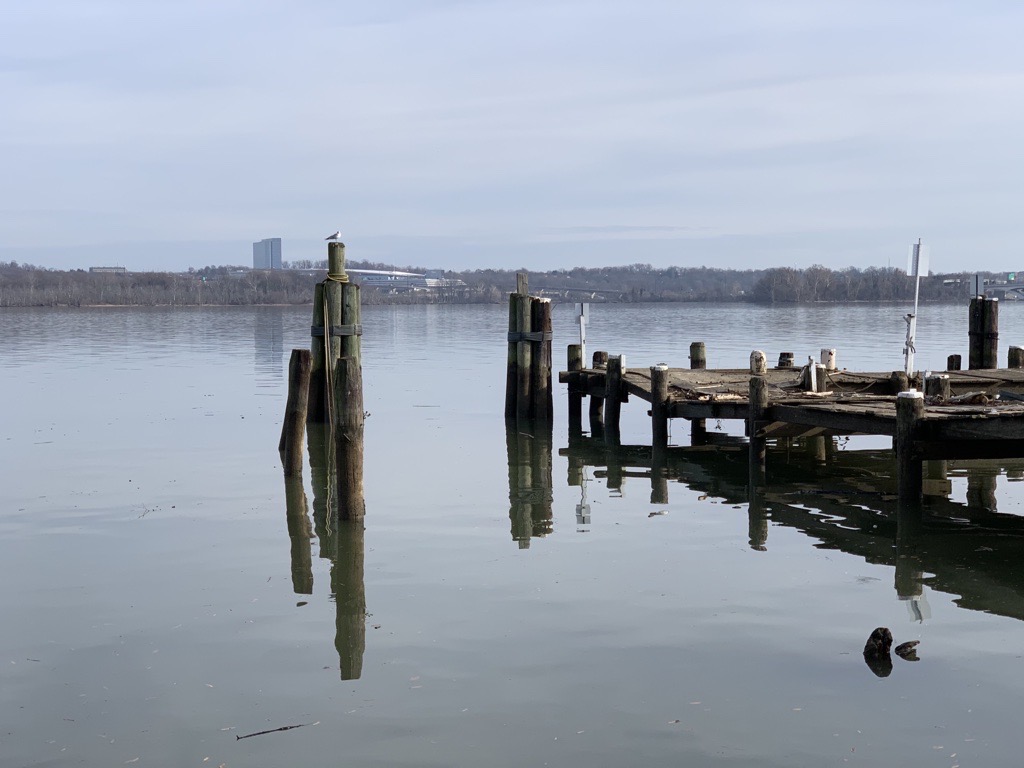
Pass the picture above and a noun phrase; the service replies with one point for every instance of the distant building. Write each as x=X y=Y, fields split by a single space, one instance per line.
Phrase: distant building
x=266 y=254
x=108 y=270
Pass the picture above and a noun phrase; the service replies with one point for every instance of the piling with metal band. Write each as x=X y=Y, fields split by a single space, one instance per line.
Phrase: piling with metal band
x=909 y=411
x=293 y=430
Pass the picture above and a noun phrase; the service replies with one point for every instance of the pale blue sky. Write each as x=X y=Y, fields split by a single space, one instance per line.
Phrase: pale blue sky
x=162 y=134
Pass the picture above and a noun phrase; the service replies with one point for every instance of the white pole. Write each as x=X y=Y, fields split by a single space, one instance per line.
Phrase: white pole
x=915 y=269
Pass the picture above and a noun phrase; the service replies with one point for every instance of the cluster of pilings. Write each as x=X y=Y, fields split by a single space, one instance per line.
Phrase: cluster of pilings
x=325 y=386
x=528 y=396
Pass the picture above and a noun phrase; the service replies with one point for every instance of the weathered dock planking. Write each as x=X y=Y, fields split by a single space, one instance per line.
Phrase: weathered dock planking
x=973 y=421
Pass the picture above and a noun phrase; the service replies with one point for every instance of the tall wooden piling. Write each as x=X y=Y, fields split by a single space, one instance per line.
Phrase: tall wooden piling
x=758 y=399
x=293 y=431
x=541 y=405
x=613 y=396
x=524 y=349
x=983 y=333
x=316 y=412
x=909 y=410
x=659 y=407
x=348 y=387
x=597 y=401
x=574 y=361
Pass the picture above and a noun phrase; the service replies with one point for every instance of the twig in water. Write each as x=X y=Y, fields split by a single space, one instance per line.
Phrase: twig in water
x=275 y=730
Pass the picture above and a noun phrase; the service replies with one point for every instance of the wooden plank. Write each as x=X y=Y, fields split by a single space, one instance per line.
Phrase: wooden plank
x=844 y=420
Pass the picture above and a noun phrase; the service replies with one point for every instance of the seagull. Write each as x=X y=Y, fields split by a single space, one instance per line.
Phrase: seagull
x=335 y=236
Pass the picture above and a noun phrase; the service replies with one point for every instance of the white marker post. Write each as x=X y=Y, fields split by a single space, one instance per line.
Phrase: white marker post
x=918 y=263
x=582 y=315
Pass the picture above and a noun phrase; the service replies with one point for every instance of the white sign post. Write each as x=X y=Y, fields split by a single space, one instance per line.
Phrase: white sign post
x=582 y=315
x=918 y=263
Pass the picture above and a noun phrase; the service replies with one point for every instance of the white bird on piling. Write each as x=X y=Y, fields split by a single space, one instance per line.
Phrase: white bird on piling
x=335 y=236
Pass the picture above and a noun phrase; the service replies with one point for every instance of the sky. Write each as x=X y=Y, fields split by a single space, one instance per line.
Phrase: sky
x=538 y=134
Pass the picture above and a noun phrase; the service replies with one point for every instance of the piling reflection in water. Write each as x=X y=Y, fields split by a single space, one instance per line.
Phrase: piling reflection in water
x=846 y=500
x=529 y=479
x=341 y=542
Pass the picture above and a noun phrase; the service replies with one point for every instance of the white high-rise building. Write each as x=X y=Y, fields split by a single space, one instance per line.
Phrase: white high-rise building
x=266 y=254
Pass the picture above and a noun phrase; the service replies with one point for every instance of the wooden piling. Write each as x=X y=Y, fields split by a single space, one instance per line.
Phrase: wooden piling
x=758 y=398
x=512 y=365
x=983 y=333
x=898 y=382
x=574 y=361
x=613 y=396
x=541 y=405
x=937 y=386
x=316 y=412
x=597 y=401
x=293 y=432
x=909 y=410
x=698 y=356
x=659 y=406
x=758 y=363
x=953 y=363
x=524 y=349
x=1015 y=357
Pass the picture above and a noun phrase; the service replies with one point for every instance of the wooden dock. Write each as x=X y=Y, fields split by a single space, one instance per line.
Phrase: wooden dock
x=973 y=414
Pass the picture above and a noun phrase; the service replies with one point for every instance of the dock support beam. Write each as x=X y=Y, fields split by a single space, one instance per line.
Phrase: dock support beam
x=909 y=410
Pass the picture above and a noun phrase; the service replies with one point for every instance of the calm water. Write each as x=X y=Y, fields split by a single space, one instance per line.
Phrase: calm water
x=149 y=596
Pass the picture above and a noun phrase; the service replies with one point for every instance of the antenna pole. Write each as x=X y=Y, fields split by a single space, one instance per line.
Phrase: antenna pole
x=908 y=348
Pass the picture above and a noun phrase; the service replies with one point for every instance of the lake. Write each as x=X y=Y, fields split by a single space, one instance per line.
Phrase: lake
x=156 y=608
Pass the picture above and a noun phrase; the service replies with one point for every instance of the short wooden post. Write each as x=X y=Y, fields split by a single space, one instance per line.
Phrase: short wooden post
x=937 y=386
x=613 y=396
x=348 y=586
x=983 y=333
x=758 y=363
x=953 y=363
x=786 y=360
x=758 y=404
x=541 y=405
x=293 y=432
x=1015 y=357
x=574 y=355
x=698 y=356
x=909 y=411
x=898 y=382
x=828 y=358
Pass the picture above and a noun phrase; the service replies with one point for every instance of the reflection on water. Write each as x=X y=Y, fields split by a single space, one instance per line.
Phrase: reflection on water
x=341 y=542
x=529 y=480
x=846 y=500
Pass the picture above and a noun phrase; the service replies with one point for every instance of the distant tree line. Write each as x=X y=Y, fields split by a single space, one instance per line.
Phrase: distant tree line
x=28 y=285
